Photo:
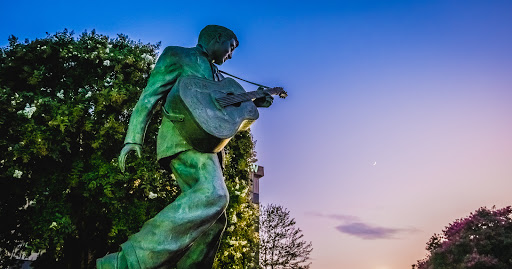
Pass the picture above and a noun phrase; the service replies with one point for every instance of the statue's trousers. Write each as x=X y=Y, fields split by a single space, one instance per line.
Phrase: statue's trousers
x=187 y=232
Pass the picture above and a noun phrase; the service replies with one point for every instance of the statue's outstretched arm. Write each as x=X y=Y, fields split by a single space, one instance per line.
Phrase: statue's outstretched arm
x=162 y=78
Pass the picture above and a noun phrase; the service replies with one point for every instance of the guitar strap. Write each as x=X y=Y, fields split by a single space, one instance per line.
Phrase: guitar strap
x=226 y=73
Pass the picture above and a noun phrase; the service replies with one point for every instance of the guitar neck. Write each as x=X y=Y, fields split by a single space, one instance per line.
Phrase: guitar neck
x=242 y=97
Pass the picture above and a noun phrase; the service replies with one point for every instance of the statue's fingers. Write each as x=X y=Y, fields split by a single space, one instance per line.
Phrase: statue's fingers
x=139 y=151
x=122 y=158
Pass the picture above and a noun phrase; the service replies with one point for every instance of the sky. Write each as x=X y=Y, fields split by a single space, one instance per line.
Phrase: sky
x=398 y=119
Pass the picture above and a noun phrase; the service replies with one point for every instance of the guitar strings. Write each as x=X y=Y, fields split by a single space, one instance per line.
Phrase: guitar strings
x=240 y=97
x=233 y=99
x=270 y=90
x=229 y=100
x=243 y=96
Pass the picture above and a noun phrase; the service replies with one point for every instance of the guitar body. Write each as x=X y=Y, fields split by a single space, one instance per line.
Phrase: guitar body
x=200 y=119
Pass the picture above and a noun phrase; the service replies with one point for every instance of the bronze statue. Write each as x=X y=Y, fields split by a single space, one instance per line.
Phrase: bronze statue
x=186 y=233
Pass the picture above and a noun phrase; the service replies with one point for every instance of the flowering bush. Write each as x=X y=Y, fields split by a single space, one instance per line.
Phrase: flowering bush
x=239 y=246
x=482 y=240
x=63 y=115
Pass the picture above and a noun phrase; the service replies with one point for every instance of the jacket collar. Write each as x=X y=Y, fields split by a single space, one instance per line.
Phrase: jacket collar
x=202 y=51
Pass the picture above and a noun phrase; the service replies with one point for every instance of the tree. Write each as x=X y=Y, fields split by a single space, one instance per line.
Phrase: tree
x=281 y=244
x=64 y=107
x=65 y=104
x=481 y=240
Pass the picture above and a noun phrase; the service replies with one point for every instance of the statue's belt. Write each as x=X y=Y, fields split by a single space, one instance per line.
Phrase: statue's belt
x=171 y=116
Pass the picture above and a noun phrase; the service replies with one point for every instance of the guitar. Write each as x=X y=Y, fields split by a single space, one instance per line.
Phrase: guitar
x=209 y=113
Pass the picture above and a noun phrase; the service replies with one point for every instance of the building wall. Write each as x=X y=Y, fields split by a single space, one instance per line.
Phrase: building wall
x=257 y=172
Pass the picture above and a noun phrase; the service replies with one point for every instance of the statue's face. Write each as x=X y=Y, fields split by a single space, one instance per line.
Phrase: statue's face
x=223 y=50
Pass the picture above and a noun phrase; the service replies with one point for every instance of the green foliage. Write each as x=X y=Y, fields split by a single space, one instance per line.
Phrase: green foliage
x=64 y=108
x=281 y=244
x=481 y=241
x=239 y=246
x=65 y=104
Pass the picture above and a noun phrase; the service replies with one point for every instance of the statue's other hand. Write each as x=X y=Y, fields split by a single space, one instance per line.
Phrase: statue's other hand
x=264 y=101
x=125 y=151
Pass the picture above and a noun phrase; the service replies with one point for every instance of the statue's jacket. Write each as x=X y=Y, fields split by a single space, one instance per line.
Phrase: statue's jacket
x=175 y=62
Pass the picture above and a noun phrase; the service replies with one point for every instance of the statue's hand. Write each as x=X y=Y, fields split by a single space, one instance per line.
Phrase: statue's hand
x=265 y=101
x=125 y=151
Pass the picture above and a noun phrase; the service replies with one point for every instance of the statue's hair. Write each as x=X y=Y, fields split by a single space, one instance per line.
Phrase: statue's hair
x=210 y=32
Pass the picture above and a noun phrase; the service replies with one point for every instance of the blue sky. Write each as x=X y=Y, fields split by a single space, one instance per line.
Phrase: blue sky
x=398 y=119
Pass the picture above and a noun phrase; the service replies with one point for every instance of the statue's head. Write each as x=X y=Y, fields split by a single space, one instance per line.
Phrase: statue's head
x=219 y=42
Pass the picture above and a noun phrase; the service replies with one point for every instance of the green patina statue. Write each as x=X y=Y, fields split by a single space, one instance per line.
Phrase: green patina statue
x=187 y=232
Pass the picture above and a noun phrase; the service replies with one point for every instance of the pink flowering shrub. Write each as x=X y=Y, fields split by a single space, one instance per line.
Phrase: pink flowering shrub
x=481 y=240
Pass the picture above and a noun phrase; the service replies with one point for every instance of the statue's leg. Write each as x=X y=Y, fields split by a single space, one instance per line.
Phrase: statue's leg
x=202 y=253
x=166 y=238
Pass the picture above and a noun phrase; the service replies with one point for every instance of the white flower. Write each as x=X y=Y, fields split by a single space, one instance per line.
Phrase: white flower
x=106 y=62
x=109 y=82
x=147 y=57
x=53 y=225
x=16 y=96
x=28 y=111
x=89 y=94
x=152 y=195
x=61 y=94
x=70 y=64
x=17 y=174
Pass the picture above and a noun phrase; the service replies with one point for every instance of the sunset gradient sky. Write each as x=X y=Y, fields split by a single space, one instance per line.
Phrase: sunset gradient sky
x=399 y=115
